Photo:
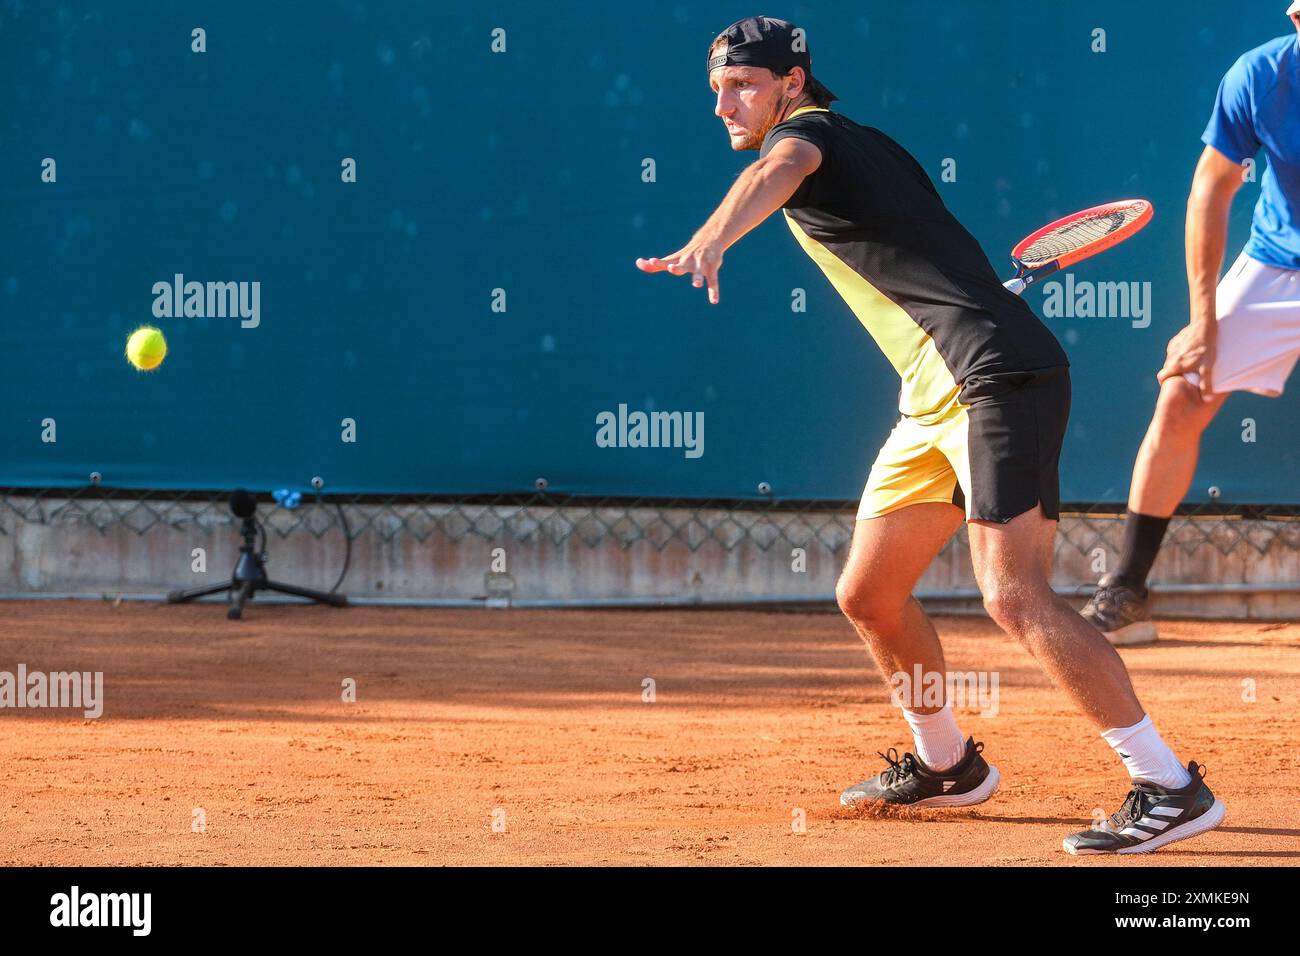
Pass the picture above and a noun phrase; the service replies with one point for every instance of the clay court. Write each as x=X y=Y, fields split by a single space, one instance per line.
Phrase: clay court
x=539 y=714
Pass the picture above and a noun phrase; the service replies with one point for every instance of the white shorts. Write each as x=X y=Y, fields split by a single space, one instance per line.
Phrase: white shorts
x=1259 y=329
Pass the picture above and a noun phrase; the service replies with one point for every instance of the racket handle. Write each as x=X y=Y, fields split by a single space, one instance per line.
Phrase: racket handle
x=1017 y=285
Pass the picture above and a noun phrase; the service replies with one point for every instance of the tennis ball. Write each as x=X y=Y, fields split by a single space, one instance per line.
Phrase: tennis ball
x=146 y=348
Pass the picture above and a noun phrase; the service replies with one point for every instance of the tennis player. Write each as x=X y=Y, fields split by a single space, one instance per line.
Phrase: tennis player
x=985 y=398
x=1243 y=336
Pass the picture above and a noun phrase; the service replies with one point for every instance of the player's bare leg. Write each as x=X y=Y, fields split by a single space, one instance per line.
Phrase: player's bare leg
x=1010 y=566
x=1166 y=462
x=888 y=556
x=1012 y=572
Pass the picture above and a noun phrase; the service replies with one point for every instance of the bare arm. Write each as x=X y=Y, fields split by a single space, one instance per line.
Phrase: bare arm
x=761 y=189
x=1216 y=182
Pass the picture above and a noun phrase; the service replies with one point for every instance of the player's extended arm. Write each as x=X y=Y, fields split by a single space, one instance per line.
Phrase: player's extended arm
x=1215 y=184
x=760 y=190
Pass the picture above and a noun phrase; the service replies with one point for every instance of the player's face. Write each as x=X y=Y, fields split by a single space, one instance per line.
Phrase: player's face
x=1295 y=18
x=749 y=99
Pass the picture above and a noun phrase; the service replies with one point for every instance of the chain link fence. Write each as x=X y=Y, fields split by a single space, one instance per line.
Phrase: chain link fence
x=630 y=523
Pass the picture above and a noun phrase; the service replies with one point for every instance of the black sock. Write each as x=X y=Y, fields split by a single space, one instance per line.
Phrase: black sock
x=1142 y=537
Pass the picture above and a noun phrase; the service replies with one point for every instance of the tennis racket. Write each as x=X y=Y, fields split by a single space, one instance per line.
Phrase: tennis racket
x=1061 y=244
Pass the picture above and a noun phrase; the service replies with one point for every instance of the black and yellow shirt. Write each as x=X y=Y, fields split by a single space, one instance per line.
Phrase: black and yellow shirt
x=871 y=218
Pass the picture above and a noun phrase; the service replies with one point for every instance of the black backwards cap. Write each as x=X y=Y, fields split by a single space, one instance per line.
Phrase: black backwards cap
x=765 y=41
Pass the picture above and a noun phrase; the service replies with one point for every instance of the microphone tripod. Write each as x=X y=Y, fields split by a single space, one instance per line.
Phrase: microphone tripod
x=250 y=571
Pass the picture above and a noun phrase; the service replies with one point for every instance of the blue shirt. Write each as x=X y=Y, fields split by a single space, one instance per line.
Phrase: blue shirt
x=1259 y=106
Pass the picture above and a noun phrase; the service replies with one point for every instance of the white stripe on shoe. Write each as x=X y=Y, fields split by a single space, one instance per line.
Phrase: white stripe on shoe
x=971 y=797
x=1208 y=820
x=1136 y=833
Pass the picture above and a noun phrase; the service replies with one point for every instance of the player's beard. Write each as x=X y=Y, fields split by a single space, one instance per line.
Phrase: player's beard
x=755 y=136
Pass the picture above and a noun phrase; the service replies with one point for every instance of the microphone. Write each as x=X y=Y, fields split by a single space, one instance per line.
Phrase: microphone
x=242 y=503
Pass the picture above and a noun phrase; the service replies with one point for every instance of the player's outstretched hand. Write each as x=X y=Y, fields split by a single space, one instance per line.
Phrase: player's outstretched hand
x=699 y=259
x=1191 y=350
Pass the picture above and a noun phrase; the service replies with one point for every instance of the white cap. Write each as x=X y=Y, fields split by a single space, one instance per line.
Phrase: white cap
x=1293 y=9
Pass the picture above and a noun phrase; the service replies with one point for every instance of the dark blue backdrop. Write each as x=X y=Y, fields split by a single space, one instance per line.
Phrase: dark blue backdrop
x=522 y=171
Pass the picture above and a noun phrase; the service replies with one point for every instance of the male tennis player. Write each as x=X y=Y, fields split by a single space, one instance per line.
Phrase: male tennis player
x=985 y=397
x=1243 y=336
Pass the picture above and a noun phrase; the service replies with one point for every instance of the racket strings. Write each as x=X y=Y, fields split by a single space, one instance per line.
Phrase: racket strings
x=1075 y=235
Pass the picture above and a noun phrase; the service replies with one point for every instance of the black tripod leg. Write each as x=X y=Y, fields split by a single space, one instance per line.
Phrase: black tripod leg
x=335 y=600
x=176 y=597
x=236 y=609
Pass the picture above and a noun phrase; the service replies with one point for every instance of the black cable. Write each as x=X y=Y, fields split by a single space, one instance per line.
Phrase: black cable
x=347 y=553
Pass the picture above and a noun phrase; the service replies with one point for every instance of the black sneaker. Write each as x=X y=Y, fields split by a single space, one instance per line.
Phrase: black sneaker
x=909 y=782
x=1121 y=614
x=1152 y=817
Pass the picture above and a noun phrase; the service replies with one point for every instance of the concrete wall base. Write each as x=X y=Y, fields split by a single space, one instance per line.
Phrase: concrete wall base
x=506 y=555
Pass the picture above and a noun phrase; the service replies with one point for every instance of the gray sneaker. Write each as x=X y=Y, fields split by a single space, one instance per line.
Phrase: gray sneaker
x=1121 y=615
x=909 y=782
x=1152 y=817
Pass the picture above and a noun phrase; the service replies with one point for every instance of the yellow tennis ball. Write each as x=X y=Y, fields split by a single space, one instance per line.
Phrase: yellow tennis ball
x=146 y=348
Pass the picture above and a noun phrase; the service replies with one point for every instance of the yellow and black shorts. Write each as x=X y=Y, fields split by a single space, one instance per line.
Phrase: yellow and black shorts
x=995 y=455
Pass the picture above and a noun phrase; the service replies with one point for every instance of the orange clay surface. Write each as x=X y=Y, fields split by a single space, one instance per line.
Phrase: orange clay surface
x=539 y=717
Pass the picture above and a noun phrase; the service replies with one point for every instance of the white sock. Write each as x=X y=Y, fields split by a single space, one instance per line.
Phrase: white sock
x=1146 y=756
x=939 y=743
